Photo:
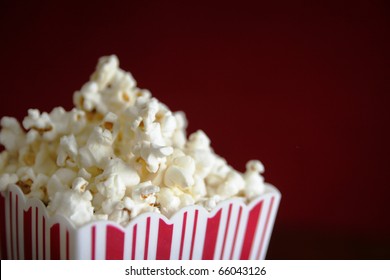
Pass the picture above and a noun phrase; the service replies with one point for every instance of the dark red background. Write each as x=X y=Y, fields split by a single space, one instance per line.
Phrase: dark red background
x=303 y=87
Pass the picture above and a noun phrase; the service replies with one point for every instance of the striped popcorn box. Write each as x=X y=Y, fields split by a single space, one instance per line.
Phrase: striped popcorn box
x=233 y=230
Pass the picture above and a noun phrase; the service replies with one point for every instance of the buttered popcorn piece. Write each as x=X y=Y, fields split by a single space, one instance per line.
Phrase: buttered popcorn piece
x=119 y=153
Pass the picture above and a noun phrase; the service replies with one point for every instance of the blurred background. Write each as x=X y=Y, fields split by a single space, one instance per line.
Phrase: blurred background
x=302 y=86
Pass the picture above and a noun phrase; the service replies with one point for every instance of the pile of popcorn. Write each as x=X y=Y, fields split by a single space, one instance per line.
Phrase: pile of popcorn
x=120 y=152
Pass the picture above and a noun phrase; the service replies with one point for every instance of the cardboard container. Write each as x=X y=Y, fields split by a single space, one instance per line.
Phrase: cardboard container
x=233 y=230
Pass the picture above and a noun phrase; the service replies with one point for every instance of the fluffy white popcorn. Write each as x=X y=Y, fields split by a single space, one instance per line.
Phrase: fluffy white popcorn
x=112 y=183
x=152 y=154
x=232 y=185
x=38 y=188
x=254 y=182
x=12 y=137
x=98 y=149
x=67 y=151
x=79 y=184
x=169 y=202
x=105 y=70
x=89 y=98
x=7 y=179
x=73 y=204
x=119 y=153
x=61 y=180
x=134 y=208
x=199 y=189
x=198 y=146
x=211 y=202
x=180 y=173
x=179 y=135
x=145 y=192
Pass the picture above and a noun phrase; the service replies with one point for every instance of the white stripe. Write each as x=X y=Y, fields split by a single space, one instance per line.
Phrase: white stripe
x=83 y=243
x=14 y=233
x=231 y=230
x=259 y=229
x=47 y=238
x=62 y=241
x=33 y=234
x=188 y=234
x=140 y=248
x=200 y=235
x=128 y=243
x=100 y=247
x=153 y=237
x=221 y=232
x=176 y=236
x=241 y=233
x=271 y=222
x=8 y=224
x=21 y=228
x=40 y=234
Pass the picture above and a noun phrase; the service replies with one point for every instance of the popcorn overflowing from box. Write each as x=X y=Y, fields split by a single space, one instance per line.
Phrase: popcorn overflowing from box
x=117 y=178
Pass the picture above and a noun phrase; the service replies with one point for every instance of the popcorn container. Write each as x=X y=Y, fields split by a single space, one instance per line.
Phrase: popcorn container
x=233 y=230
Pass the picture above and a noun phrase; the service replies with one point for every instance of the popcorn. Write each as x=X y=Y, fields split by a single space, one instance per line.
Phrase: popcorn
x=119 y=153
x=169 y=202
x=254 y=182
x=180 y=173
x=152 y=154
x=232 y=185
x=67 y=151
x=98 y=149
x=73 y=204
x=12 y=137
x=210 y=203
x=7 y=179
x=112 y=183
x=198 y=146
x=105 y=71
x=61 y=180
x=179 y=135
x=38 y=125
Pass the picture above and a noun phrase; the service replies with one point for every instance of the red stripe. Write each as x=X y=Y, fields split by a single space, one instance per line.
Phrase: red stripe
x=115 y=241
x=193 y=233
x=253 y=219
x=11 y=227
x=236 y=233
x=183 y=232
x=44 y=236
x=93 y=242
x=36 y=233
x=147 y=238
x=134 y=242
x=67 y=245
x=211 y=236
x=27 y=234
x=17 y=226
x=3 y=237
x=226 y=231
x=265 y=228
x=55 y=242
x=164 y=241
